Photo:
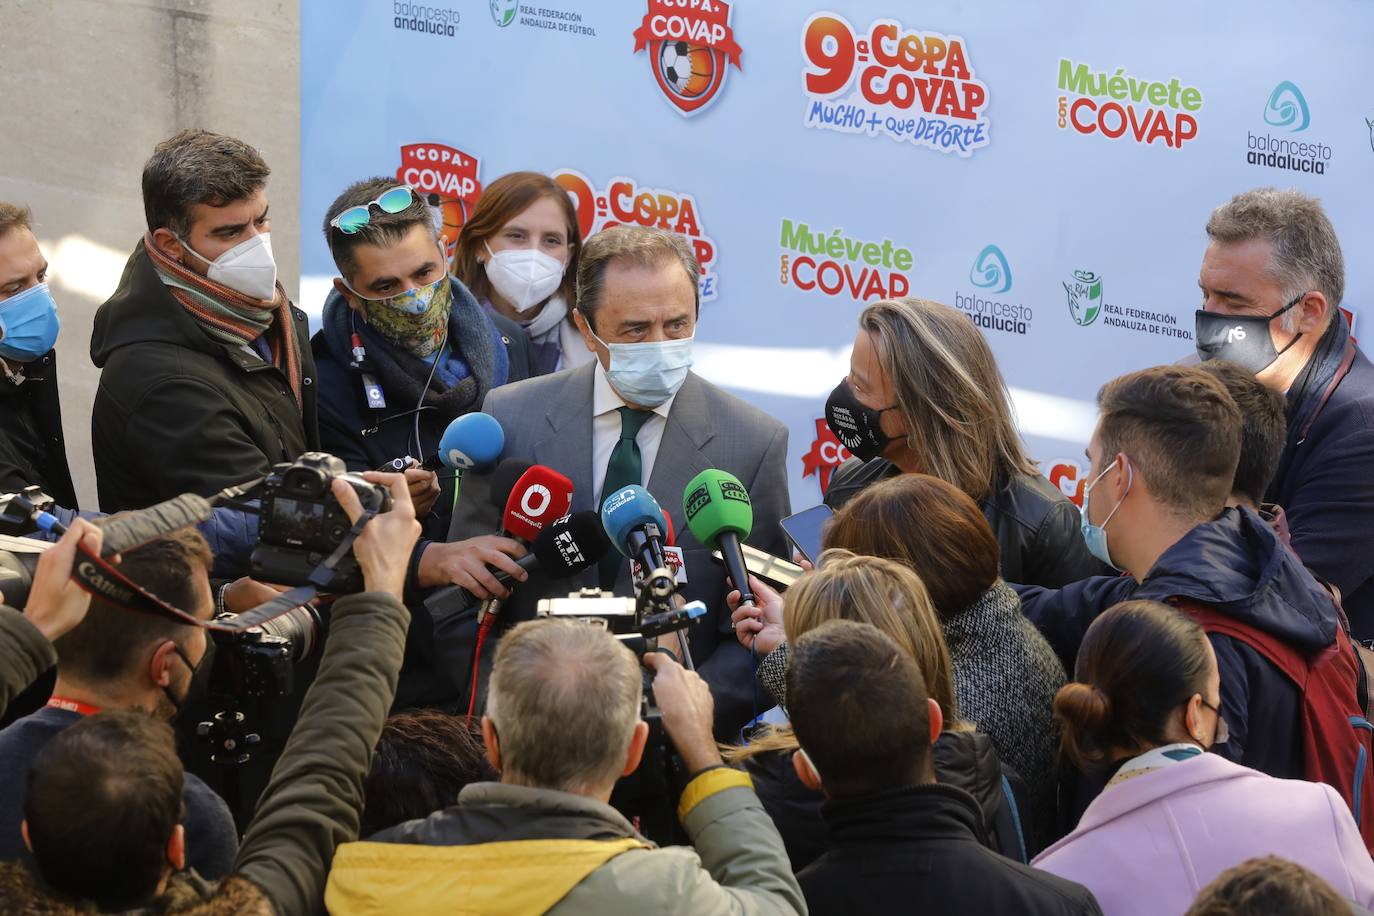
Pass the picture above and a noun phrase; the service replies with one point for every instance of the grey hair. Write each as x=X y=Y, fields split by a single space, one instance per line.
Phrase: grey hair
x=643 y=245
x=1306 y=253
x=198 y=167
x=564 y=699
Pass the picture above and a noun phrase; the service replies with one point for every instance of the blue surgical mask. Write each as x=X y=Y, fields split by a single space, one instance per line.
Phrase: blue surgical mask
x=648 y=373
x=1096 y=535
x=28 y=324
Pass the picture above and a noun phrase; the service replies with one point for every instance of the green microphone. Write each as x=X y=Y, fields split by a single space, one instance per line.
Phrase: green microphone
x=720 y=515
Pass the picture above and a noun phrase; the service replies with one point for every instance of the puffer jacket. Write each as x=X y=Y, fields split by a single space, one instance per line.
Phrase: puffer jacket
x=507 y=850
x=1237 y=566
x=177 y=412
x=965 y=760
x=1037 y=528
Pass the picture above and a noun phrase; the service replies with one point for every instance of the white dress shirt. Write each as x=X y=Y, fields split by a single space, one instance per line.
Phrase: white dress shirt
x=606 y=404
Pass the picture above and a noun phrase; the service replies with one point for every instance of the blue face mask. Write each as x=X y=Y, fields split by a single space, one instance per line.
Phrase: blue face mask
x=648 y=373
x=28 y=324
x=1096 y=535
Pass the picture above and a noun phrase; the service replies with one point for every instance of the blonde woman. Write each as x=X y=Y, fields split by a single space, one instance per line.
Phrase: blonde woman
x=924 y=395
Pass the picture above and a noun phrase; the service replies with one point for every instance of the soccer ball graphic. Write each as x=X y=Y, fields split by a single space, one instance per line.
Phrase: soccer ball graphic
x=687 y=69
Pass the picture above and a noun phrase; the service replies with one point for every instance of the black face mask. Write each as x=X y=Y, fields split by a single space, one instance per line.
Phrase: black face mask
x=200 y=679
x=858 y=428
x=1241 y=339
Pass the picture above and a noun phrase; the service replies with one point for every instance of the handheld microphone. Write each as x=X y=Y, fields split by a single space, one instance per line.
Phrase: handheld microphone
x=635 y=524
x=539 y=497
x=720 y=514
x=472 y=441
x=669 y=536
x=562 y=550
x=503 y=480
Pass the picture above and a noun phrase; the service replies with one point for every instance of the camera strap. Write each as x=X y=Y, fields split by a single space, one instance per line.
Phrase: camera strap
x=102 y=578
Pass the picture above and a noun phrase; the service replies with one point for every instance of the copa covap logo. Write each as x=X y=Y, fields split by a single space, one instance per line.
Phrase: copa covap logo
x=447 y=179
x=691 y=46
x=909 y=85
x=1117 y=105
x=624 y=201
x=826 y=455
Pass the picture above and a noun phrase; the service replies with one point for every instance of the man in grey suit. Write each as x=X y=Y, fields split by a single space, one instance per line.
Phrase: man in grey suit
x=636 y=415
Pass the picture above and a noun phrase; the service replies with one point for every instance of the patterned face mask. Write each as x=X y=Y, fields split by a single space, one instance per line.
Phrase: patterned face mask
x=416 y=320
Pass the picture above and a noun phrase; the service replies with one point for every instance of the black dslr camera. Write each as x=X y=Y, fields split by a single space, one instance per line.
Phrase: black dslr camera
x=259 y=662
x=301 y=523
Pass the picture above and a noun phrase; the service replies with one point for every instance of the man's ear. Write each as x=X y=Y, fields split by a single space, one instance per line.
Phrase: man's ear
x=585 y=327
x=24 y=832
x=168 y=243
x=1312 y=312
x=160 y=664
x=937 y=719
x=353 y=302
x=176 y=849
x=491 y=743
x=806 y=772
x=636 y=751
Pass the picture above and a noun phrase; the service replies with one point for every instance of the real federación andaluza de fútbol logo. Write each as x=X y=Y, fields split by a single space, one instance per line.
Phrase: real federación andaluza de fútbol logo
x=1084 y=291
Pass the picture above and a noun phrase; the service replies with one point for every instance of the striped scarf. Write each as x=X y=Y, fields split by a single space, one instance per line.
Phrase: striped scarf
x=229 y=317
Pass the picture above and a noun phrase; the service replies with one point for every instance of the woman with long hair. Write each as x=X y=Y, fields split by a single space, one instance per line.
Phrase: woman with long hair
x=924 y=395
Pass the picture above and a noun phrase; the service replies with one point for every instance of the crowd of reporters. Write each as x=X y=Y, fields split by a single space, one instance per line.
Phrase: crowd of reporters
x=981 y=698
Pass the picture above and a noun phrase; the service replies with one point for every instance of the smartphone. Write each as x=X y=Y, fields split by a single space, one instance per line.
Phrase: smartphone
x=804 y=530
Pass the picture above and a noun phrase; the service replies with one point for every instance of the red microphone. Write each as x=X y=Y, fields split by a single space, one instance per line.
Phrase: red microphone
x=539 y=498
x=669 y=539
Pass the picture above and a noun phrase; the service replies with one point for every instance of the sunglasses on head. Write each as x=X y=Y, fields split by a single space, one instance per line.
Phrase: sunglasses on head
x=354 y=219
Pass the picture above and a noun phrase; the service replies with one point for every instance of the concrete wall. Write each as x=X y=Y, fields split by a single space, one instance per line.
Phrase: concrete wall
x=87 y=88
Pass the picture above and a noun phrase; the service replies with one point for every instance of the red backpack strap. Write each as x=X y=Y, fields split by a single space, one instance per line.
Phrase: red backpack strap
x=1278 y=653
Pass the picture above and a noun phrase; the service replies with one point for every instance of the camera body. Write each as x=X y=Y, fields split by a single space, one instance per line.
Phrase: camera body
x=259 y=663
x=301 y=523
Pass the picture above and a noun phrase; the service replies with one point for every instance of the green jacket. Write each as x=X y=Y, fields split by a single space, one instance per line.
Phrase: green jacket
x=507 y=850
x=314 y=799
x=177 y=412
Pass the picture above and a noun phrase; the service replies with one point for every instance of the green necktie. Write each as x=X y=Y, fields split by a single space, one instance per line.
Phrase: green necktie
x=624 y=468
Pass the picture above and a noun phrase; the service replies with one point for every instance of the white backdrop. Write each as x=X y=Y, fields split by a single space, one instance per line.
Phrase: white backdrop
x=1046 y=167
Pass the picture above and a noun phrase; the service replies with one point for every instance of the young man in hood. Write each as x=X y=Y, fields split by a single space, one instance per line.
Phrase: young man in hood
x=206 y=380
x=1164 y=459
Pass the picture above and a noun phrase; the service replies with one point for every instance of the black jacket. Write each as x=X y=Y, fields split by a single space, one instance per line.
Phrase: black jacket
x=1325 y=479
x=966 y=760
x=919 y=849
x=32 y=450
x=1037 y=528
x=346 y=420
x=177 y=412
x=1236 y=565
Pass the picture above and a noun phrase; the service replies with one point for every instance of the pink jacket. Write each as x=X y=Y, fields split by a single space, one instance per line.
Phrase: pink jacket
x=1149 y=844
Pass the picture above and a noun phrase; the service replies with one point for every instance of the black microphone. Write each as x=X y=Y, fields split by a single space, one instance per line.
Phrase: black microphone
x=562 y=550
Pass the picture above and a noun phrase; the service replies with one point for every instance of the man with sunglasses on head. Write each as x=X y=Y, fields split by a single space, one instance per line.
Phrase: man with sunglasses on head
x=1271 y=279
x=404 y=349
x=206 y=377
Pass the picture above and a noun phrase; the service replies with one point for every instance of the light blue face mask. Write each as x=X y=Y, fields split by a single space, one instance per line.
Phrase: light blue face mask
x=28 y=324
x=648 y=373
x=1096 y=535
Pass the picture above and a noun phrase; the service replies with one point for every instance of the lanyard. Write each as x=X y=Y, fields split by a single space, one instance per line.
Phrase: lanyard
x=76 y=706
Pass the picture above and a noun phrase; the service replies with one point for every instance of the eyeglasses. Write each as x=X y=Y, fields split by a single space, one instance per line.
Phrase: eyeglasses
x=1223 y=732
x=352 y=220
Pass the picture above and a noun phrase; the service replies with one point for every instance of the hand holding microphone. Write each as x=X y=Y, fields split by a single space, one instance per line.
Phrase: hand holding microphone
x=757 y=626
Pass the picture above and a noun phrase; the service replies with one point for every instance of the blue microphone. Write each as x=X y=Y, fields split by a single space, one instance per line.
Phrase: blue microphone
x=472 y=441
x=636 y=525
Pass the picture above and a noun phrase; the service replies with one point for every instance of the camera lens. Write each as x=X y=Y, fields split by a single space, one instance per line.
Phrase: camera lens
x=300 y=626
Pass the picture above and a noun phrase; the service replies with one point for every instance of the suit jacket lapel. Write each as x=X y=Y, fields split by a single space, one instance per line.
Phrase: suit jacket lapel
x=680 y=456
x=566 y=441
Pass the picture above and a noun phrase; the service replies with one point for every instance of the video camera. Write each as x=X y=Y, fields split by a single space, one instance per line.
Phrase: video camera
x=648 y=796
